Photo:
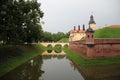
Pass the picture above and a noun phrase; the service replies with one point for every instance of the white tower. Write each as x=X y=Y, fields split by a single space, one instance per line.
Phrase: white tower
x=92 y=23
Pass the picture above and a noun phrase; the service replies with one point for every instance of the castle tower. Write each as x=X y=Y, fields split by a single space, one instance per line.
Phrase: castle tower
x=92 y=23
x=90 y=42
x=89 y=36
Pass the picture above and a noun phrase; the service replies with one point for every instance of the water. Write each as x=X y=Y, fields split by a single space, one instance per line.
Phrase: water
x=60 y=67
x=45 y=68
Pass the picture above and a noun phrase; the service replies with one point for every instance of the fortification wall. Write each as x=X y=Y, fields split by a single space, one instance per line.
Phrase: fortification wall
x=101 y=48
x=79 y=48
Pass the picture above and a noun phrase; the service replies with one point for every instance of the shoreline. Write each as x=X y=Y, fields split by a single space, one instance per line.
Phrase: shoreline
x=28 y=52
x=85 y=62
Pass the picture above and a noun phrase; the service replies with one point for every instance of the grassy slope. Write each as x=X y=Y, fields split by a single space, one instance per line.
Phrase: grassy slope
x=17 y=55
x=64 y=40
x=107 y=32
x=91 y=62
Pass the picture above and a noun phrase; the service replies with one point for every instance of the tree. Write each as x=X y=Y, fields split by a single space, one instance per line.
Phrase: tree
x=20 y=21
x=47 y=37
x=67 y=35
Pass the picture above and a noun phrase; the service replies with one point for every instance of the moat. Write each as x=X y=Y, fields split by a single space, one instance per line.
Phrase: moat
x=60 y=67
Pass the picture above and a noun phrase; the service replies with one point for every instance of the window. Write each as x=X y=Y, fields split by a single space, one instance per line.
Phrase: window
x=88 y=36
x=92 y=36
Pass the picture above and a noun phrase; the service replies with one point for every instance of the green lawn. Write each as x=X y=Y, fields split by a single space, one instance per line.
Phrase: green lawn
x=13 y=56
x=107 y=32
x=91 y=62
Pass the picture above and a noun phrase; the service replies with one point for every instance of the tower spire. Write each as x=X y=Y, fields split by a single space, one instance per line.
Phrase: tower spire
x=92 y=19
x=92 y=23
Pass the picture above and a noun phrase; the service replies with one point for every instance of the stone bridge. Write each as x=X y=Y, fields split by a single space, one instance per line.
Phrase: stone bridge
x=54 y=43
x=53 y=53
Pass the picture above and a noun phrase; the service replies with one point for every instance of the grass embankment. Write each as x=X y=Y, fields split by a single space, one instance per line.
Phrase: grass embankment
x=91 y=62
x=13 y=56
x=107 y=32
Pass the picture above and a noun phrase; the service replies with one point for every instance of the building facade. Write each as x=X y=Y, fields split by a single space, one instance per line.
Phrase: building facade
x=78 y=34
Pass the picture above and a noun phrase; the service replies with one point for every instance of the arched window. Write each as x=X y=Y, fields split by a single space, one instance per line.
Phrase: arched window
x=88 y=36
x=92 y=36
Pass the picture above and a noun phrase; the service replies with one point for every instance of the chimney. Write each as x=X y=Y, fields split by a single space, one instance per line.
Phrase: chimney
x=78 y=27
x=83 y=27
x=74 y=28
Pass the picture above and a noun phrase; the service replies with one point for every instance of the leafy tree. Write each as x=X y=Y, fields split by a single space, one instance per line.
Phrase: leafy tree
x=67 y=35
x=20 y=21
x=47 y=37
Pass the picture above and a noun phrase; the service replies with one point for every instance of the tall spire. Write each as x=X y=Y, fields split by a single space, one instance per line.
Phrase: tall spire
x=92 y=20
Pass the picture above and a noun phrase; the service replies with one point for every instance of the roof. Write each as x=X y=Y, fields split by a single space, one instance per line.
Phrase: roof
x=91 y=20
x=90 y=30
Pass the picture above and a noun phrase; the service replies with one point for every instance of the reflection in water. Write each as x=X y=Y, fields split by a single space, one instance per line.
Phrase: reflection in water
x=45 y=68
x=59 y=68
x=28 y=71
x=49 y=51
x=54 y=56
x=99 y=73
x=58 y=50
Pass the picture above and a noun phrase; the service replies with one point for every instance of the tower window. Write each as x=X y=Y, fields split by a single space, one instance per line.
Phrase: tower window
x=88 y=36
x=92 y=36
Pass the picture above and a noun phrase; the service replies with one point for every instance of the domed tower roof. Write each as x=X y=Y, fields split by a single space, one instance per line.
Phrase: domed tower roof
x=89 y=30
x=91 y=20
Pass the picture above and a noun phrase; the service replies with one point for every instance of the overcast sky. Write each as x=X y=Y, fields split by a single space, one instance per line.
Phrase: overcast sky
x=62 y=15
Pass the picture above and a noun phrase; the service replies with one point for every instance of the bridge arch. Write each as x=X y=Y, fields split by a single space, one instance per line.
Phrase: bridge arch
x=58 y=48
x=66 y=45
x=49 y=45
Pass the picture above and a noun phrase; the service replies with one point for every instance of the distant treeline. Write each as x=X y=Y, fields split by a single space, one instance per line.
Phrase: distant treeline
x=49 y=37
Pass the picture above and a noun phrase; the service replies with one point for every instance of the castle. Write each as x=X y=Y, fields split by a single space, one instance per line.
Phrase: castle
x=78 y=34
x=92 y=47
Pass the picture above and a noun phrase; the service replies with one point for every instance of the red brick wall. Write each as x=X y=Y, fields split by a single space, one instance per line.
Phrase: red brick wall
x=80 y=49
x=102 y=48
x=106 y=50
